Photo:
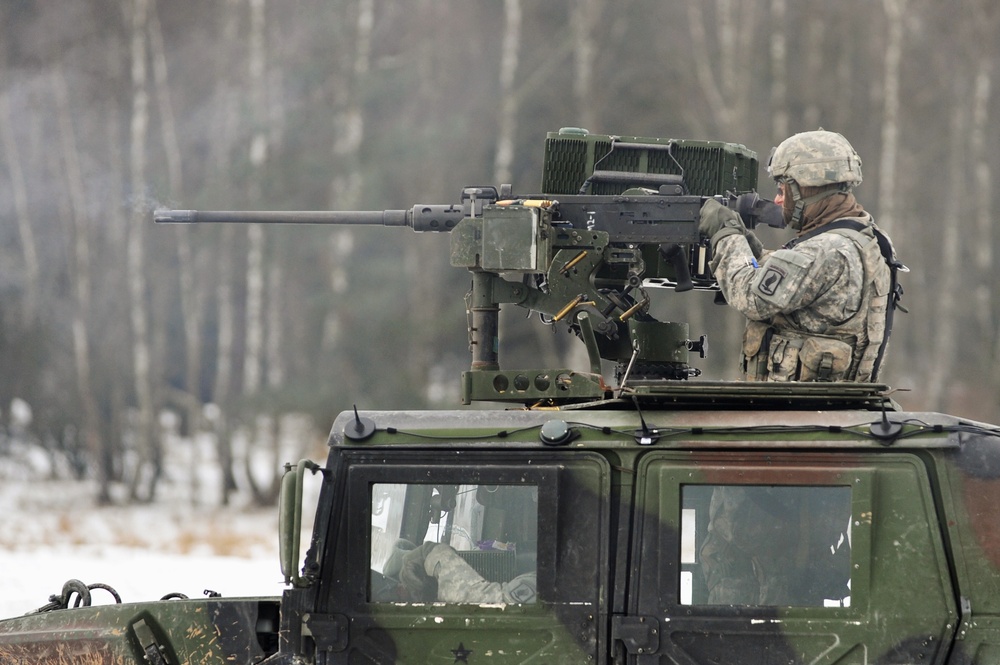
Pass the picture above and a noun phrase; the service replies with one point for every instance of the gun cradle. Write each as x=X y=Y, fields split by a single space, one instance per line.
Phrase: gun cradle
x=579 y=261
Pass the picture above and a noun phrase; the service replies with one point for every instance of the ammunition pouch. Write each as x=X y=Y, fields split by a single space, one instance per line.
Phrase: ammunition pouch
x=772 y=356
x=756 y=341
x=824 y=359
x=783 y=358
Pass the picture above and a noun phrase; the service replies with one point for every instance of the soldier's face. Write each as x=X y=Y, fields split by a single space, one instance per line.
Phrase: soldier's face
x=779 y=198
x=784 y=200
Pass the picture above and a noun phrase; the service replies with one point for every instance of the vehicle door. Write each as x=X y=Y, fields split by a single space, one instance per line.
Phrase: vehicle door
x=478 y=557
x=787 y=558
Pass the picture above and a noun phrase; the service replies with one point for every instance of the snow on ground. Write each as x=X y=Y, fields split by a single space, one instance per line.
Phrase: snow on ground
x=51 y=531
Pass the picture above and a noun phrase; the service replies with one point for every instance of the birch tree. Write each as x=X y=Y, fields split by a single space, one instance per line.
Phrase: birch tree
x=190 y=294
x=948 y=268
x=985 y=17
x=507 y=121
x=895 y=10
x=345 y=186
x=725 y=74
x=585 y=17
x=226 y=121
x=148 y=469
x=256 y=317
x=80 y=239
x=19 y=194
x=779 y=70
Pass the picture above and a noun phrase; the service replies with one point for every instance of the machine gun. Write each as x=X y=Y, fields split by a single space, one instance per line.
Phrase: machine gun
x=617 y=216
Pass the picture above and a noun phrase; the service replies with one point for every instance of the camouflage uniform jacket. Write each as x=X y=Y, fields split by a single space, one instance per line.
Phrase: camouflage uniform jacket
x=816 y=309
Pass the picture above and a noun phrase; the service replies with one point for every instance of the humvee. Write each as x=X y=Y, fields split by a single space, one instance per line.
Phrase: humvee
x=662 y=519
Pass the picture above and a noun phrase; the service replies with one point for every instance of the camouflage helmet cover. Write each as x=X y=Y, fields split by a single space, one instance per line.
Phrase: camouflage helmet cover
x=814 y=159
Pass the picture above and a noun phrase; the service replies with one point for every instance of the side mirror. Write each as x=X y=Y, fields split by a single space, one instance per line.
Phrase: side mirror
x=290 y=520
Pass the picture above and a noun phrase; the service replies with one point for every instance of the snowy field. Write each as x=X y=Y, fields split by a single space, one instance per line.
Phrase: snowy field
x=52 y=531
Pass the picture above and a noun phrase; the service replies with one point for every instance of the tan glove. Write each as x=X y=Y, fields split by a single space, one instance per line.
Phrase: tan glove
x=717 y=221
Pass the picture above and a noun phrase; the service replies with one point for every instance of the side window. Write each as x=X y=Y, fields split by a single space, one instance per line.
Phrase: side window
x=765 y=545
x=467 y=543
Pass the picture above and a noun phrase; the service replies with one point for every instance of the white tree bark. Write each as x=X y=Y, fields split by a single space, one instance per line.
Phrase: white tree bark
x=779 y=71
x=722 y=74
x=81 y=271
x=190 y=294
x=19 y=193
x=254 y=320
x=895 y=10
x=983 y=201
x=226 y=120
x=585 y=16
x=143 y=482
x=719 y=106
x=507 y=121
x=948 y=268
x=816 y=27
x=345 y=188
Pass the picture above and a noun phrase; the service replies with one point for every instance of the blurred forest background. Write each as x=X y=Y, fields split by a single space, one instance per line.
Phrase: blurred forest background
x=111 y=108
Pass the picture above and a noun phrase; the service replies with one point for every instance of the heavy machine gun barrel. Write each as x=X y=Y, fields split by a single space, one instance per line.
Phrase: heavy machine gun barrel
x=419 y=217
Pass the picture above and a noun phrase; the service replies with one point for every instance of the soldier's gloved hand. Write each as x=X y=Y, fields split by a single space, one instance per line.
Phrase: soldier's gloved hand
x=718 y=222
x=418 y=583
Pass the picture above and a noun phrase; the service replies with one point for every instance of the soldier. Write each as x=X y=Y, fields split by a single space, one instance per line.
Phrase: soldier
x=434 y=571
x=777 y=546
x=819 y=308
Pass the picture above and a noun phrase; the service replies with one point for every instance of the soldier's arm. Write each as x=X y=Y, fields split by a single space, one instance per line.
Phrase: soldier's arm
x=458 y=582
x=788 y=280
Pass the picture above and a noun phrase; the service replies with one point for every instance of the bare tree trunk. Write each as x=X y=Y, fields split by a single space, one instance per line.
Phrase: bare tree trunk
x=814 y=64
x=191 y=297
x=253 y=357
x=19 y=192
x=718 y=106
x=895 y=10
x=256 y=317
x=225 y=124
x=726 y=89
x=81 y=282
x=949 y=268
x=983 y=177
x=507 y=130
x=779 y=71
x=345 y=188
x=147 y=472
x=585 y=18
x=222 y=387
x=117 y=336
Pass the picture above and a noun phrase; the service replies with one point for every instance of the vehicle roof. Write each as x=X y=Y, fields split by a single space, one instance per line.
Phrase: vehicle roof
x=687 y=430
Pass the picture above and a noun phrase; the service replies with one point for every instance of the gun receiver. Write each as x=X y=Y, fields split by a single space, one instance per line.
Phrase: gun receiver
x=582 y=260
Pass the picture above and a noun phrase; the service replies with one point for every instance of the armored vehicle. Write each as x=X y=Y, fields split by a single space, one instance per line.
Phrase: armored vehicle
x=652 y=517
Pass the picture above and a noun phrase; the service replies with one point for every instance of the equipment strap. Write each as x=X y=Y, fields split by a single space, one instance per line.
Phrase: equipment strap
x=888 y=255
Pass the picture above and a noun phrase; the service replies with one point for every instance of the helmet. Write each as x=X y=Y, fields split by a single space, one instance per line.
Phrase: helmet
x=814 y=159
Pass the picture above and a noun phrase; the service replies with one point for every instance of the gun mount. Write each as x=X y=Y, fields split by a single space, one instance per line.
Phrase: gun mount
x=617 y=216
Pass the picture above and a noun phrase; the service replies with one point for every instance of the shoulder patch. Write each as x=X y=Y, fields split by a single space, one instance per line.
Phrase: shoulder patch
x=781 y=276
